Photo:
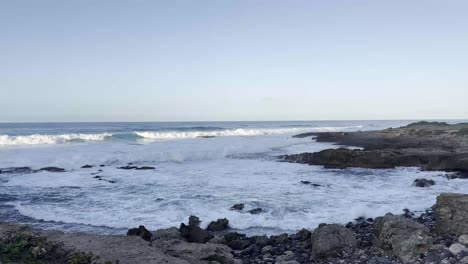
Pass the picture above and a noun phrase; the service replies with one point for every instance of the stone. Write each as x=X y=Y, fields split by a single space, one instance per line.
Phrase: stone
x=402 y=236
x=436 y=255
x=237 y=241
x=464 y=260
x=463 y=239
x=193 y=233
x=457 y=248
x=256 y=211
x=141 y=231
x=238 y=207
x=423 y=183
x=87 y=166
x=266 y=249
x=166 y=234
x=451 y=213
x=218 y=225
x=287 y=256
x=198 y=253
x=52 y=169
x=331 y=240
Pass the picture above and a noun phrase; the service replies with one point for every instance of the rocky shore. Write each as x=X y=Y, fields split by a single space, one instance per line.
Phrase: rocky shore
x=439 y=235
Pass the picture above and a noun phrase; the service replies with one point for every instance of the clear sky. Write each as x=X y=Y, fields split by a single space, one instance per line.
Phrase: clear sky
x=98 y=60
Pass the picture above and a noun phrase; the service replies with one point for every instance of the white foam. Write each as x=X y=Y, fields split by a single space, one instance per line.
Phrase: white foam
x=38 y=139
x=236 y=132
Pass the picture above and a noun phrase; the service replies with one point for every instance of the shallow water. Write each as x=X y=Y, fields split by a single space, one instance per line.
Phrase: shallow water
x=193 y=175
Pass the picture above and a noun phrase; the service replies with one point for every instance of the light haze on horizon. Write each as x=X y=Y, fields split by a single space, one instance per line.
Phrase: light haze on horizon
x=83 y=60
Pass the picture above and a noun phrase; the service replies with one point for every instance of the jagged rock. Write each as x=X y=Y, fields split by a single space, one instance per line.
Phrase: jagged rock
x=256 y=211
x=198 y=253
x=423 y=183
x=278 y=239
x=403 y=237
x=166 y=234
x=302 y=235
x=219 y=225
x=238 y=207
x=52 y=169
x=436 y=255
x=193 y=233
x=141 y=231
x=451 y=213
x=331 y=240
x=236 y=241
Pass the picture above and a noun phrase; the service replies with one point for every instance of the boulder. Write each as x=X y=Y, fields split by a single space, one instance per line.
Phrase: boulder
x=238 y=207
x=52 y=169
x=193 y=233
x=198 y=253
x=237 y=241
x=87 y=166
x=463 y=239
x=423 y=183
x=219 y=225
x=457 y=248
x=141 y=231
x=451 y=213
x=256 y=211
x=166 y=234
x=402 y=236
x=331 y=241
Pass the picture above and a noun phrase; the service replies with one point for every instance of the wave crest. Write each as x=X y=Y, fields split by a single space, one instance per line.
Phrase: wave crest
x=38 y=139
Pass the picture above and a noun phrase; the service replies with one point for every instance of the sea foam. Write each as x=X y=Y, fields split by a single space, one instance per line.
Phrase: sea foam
x=38 y=139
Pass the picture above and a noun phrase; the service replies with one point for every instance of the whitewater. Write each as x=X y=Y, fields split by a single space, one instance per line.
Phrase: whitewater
x=201 y=168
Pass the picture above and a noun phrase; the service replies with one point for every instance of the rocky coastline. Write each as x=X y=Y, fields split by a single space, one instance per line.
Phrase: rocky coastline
x=439 y=235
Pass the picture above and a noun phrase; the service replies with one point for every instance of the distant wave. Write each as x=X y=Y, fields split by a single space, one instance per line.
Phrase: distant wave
x=39 y=139
x=171 y=135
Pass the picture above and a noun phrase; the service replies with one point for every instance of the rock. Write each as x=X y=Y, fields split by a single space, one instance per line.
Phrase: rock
x=141 y=231
x=237 y=241
x=463 y=239
x=52 y=169
x=256 y=211
x=457 y=248
x=436 y=255
x=166 y=234
x=302 y=235
x=16 y=170
x=331 y=240
x=451 y=214
x=423 y=183
x=403 y=237
x=287 y=256
x=145 y=168
x=280 y=239
x=238 y=207
x=464 y=260
x=87 y=166
x=193 y=233
x=260 y=241
x=136 y=168
x=305 y=182
x=266 y=249
x=219 y=225
x=198 y=253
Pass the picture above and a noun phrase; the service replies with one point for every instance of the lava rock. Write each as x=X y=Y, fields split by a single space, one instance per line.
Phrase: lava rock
x=423 y=183
x=331 y=241
x=237 y=207
x=141 y=231
x=193 y=233
x=256 y=211
x=219 y=225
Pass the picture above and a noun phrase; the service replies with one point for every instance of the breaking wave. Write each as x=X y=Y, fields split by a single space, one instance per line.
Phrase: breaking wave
x=38 y=139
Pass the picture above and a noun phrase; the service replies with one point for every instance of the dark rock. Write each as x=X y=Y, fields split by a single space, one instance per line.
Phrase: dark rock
x=87 y=166
x=305 y=182
x=16 y=170
x=331 y=241
x=136 y=168
x=141 y=231
x=302 y=235
x=280 y=239
x=193 y=233
x=236 y=241
x=402 y=236
x=423 y=183
x=52 y=169
x=260 y=241
x=238 y=207
x=219 y=225
x=145 y=168
x=256 y=211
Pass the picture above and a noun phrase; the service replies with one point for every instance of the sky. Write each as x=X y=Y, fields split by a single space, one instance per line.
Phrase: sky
x=219 y=60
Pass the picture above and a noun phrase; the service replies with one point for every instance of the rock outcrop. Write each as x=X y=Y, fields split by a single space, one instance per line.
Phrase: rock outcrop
x=331 y=240
x=193 y=232
x=451 y=212
x=218 y=225
x=401 y=236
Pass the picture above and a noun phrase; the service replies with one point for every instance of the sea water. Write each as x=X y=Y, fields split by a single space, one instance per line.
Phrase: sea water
x=202 y=169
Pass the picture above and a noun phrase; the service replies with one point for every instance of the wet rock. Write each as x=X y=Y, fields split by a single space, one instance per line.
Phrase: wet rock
x=402 y=236
x=331 y=241
x=193 y=233
x=237 y=207
x=16 y=170
x=136 y=168
x=423 y=183
x=52 y=169
x=256 y=211
x=218 y=225
x=166 y=234
x=259 y=241
x=302 y=235
x=87 y=166
x=141 y=231
x=237 y=241
x=451 y=214
x=280 y=239
x=306 y=182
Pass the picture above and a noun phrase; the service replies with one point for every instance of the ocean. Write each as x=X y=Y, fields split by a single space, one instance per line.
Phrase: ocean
x=202 y=169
